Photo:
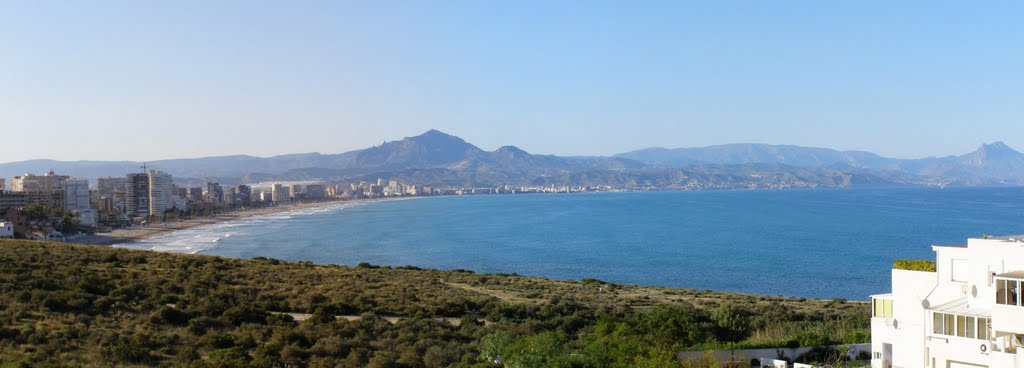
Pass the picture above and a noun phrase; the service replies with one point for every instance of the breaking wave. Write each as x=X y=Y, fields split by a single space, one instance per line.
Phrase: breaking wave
x=206 y=237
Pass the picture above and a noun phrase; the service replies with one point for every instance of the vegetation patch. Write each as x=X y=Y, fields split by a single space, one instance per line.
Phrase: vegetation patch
x=914 y=265
x=71 y=305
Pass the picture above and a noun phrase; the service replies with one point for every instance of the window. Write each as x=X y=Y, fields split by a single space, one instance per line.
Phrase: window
x=1011 y=292
x=959 y=269
x=1008 y=292
x=882 y=308
x=983 y=328
x=959 y=325
x=1000 y=291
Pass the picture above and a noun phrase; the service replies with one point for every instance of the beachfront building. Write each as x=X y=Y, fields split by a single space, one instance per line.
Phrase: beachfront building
x=242 y=194
x=280 y=193
x=195 y=195
x=214 y=194
x=137 y=195
x=78 y=202
x=161 y=192
x=968 y=313
x=315 y=191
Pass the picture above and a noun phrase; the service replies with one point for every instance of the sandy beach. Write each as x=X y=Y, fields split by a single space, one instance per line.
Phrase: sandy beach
x=135 y=233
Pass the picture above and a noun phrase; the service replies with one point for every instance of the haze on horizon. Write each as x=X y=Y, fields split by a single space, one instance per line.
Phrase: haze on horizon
x=140 y=81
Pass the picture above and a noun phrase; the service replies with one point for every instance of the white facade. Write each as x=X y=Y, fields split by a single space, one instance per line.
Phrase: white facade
x=6 y=230
x=48 y=182
x=76 y=194
x=161 y=192
x=76 y=201
x=280 y=193
x=966 y=314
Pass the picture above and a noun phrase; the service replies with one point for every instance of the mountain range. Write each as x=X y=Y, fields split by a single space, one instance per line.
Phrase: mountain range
x=436 y=158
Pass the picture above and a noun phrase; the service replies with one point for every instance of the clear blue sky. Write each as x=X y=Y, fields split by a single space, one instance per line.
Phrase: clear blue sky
x=145 y=80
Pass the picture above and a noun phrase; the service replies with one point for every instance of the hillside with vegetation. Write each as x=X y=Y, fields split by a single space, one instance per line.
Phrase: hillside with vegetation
x=70 y=305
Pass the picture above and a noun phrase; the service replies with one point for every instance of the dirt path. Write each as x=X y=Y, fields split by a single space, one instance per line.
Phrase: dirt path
x=299 y=317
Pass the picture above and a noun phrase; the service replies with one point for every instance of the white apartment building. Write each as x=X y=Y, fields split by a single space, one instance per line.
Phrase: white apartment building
x=48 y=182
x=280 y=193
x=76 y=194
x=76 y=201
x=968 y=313
x=46 y=189
x=161 y=192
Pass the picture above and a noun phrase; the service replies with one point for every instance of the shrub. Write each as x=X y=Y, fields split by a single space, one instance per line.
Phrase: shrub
x=170 y=316
x=914 y=265
x=128 y=351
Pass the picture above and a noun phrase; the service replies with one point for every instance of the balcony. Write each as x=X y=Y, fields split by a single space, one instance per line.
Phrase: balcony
x=1008 y=311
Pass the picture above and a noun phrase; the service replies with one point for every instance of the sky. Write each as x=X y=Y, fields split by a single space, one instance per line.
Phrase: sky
x=147 y=80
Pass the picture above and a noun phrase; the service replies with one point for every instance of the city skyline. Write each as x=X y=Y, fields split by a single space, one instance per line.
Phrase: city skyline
x=264 y=79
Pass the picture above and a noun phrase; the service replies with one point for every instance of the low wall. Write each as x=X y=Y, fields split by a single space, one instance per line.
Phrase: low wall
x=772 y=353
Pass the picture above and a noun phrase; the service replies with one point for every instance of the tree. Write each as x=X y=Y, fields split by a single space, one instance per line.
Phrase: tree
x=732 y=322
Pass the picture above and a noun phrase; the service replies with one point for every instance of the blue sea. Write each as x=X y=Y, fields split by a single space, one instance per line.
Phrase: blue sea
x=815 y=243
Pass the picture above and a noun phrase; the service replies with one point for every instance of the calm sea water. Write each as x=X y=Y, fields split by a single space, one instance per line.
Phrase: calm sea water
x=823 y=243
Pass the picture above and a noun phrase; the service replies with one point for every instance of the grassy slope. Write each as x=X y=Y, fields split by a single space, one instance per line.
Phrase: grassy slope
x=78 y=305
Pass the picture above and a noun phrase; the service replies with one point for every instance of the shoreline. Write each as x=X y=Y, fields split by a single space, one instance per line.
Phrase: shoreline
x=138 y=233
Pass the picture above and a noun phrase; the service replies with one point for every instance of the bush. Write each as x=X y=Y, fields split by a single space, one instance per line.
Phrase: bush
x=732 y=322
x=127 y=351
x=245 y=313
x=170 y=316
x=914 y=265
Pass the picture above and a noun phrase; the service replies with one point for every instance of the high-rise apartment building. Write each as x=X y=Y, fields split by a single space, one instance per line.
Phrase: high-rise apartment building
x=77 y=201
x=137 y=195
x=315 y=191
x=280 y=193
x=243 y=194
x=195 y=195
x=161 y=192
x=46 y=189
x=214 y=194
x=76 y=194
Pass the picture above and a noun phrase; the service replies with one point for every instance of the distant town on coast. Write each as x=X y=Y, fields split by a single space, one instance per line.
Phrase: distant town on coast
x=55 y=205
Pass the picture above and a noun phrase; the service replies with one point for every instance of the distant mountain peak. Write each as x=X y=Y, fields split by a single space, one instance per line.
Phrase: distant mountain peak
x=995 y=150
x=510 y=149
x=996 y=158
x=996 y=147
x=434 y=133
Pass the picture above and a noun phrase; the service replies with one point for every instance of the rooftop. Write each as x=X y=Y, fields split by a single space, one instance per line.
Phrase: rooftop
x=1012 y=275
x=1013 y=238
